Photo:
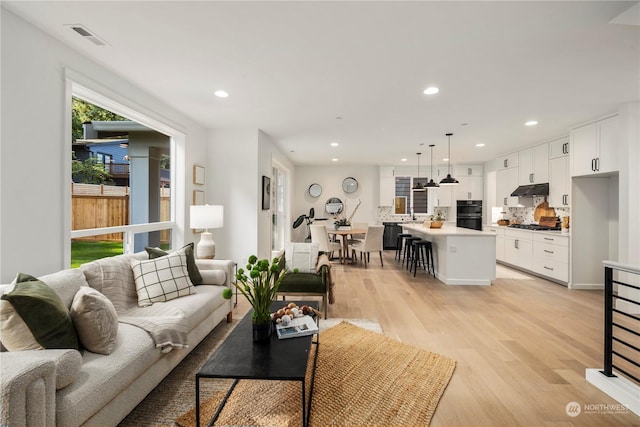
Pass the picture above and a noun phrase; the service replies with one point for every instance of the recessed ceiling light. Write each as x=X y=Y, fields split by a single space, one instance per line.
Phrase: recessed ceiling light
x=334 y=144
x=335 y=159
x=403 y=160
x=445 y=160
x=221 y=94
x=431 y=90
x=480 y=144
x=531 y=123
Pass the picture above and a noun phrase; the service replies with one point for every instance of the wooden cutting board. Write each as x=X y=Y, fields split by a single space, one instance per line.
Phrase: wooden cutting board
x=549 y=221
x=543 y=209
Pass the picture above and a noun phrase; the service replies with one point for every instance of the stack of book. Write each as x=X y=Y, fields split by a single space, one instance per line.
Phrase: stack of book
x=297 y=327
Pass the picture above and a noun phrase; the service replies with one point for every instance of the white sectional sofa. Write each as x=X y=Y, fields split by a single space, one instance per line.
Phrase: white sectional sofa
x=73 y=388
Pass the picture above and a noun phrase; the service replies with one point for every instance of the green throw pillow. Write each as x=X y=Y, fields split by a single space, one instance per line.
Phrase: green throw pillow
x=44 y=313
x=192 y=268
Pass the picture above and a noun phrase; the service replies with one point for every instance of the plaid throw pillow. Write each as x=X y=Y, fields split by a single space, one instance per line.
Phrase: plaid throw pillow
x=162 y=279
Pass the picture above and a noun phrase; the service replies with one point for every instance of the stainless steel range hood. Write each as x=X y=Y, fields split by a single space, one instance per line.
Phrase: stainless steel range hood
x=532 y=190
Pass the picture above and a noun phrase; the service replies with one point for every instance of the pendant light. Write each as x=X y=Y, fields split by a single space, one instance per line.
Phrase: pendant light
x=418 y=186
x=449 y=180
x=432 y=183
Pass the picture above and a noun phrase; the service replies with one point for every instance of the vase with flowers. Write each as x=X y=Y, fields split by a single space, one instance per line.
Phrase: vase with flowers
x=259 y=284
x=343 y=223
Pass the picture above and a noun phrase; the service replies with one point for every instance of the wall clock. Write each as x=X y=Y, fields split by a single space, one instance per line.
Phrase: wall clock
x=349 y=185
x=315 y=190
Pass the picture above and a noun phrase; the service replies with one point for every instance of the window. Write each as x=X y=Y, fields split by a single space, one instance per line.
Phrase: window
x=127 y=203
x=418 y=200
x=280 y=221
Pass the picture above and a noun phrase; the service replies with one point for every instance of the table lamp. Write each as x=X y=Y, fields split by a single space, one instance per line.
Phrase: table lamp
x=206 y=216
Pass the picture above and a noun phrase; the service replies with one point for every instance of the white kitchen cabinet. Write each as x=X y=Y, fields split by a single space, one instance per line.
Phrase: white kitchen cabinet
x=533 y=165
x=507 y=161
x=467 y=170
x=470 y=188
x=442 y=195
x=559 y=182
x=518 y=248
x=559 y=148
x=594 y=147
x=506 y=183
x=387 y=186
x=499 y=231
x=551 y=256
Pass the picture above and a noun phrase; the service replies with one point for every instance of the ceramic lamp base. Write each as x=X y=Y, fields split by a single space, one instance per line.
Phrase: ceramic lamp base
x=206 y=248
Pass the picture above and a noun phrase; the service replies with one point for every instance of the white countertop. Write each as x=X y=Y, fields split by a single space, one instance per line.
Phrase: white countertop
x=552 y=232
x=447 y=230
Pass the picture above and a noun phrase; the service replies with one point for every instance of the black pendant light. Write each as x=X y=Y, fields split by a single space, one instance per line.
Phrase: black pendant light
x=418 y=186
x=449 y=180
x=432 y=183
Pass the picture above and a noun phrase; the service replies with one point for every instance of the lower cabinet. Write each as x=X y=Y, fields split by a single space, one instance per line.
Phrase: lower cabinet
x=544 y=254
x=551 y=256
x=499 y=231
x=518 y=248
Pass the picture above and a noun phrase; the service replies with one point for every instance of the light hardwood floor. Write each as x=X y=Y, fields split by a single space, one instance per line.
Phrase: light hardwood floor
x=521 y=345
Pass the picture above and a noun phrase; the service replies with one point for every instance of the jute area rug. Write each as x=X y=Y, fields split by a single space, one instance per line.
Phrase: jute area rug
x=362 y=379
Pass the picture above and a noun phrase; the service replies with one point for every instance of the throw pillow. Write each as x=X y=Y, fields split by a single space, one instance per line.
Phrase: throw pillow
x=95 y=319
x=35 y=317
x=162 y=279
x=302 y=256
x=192 y=267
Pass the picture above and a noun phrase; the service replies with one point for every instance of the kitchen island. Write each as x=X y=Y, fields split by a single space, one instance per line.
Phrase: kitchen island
x=461 y=256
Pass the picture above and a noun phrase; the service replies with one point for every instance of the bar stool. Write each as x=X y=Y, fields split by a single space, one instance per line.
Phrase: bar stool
x=408 y=250
x=399 y=242
x=423 y=251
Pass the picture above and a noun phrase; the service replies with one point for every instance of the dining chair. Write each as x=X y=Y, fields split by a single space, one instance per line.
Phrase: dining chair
x=354 y=238
x=320 y=236
x=372 y=243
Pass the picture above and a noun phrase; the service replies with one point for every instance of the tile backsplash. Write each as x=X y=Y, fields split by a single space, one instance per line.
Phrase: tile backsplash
x=524 y=215
x=385 y=213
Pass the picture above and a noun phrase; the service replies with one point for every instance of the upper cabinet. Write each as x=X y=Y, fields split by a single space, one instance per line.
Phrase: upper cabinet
x=471 y=179
x=507 y=161
x=533 y=164
x=559 y=148
x=594 y=147
x=467 y=170
x=506 y=182
x=387 y=186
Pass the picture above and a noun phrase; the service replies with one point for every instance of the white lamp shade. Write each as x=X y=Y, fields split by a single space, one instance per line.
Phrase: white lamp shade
x=206 y=216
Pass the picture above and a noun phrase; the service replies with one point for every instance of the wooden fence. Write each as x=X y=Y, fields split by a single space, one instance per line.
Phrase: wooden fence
x=96 y=206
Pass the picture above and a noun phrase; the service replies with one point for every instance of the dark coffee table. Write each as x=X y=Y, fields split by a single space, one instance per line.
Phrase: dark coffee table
x=238 y=357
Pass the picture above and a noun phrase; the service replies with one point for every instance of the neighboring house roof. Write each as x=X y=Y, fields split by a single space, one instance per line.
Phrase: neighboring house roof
x=118 y=126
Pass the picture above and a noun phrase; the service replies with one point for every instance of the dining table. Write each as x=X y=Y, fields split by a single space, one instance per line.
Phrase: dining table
x=344 y=233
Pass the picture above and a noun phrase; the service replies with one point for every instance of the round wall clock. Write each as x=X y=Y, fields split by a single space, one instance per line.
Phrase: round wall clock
x=315 y=190
x=349 y=185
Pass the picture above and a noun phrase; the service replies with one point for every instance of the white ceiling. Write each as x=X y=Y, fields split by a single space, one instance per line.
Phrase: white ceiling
x=291 y=68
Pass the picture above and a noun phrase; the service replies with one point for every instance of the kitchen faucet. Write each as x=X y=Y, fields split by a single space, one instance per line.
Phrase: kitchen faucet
x=412 y=213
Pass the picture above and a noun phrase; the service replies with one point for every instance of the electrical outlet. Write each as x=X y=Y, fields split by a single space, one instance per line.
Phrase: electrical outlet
x=453 y=249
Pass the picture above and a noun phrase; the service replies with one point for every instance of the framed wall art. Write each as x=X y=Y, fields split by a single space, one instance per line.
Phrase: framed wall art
x=198 y=174
x=266 y=193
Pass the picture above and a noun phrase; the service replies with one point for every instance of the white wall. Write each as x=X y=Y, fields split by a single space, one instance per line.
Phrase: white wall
x=34 y=184
x=237 y=159
x=330 y=178
x=233 y=181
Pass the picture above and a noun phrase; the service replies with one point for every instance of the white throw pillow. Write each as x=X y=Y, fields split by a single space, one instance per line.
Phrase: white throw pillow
x=95 y=319
x=162 y=279
x=302 y=256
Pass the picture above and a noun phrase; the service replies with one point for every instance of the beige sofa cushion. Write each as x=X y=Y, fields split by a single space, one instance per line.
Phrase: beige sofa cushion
x=95 y=319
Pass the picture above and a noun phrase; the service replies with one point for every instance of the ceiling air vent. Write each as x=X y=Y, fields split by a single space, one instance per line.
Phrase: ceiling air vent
x=87 y=34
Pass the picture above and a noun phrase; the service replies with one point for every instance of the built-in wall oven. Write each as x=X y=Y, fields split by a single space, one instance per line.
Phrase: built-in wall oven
x=469 y=214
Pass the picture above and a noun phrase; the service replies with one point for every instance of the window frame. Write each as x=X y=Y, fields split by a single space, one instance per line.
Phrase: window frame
x=80 y=86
